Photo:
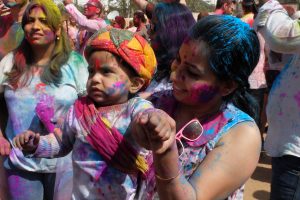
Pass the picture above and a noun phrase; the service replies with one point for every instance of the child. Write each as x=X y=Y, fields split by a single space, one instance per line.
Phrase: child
x=107 y=163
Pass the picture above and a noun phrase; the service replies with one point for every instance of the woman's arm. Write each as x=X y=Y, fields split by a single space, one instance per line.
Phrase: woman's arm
x=224 y=170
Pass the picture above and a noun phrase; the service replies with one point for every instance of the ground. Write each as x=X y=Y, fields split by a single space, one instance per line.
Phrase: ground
x=258 y=187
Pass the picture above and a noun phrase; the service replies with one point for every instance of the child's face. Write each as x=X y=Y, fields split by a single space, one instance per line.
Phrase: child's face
x=109 y=82
x=193 y=81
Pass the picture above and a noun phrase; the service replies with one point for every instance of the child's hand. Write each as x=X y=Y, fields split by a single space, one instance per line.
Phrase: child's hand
x=154 y=130
x=27 y=141
x=4 y=147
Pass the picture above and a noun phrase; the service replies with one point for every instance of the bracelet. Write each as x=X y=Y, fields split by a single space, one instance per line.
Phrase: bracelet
x=168 y=179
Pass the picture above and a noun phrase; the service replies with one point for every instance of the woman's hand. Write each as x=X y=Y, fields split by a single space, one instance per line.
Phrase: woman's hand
x=27 y=141
x=4 y=147
x=155 y=130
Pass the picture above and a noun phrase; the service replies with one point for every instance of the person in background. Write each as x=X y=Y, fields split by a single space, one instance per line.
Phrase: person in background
x=282 y=34
x=257 y=79
x=225 y=7
x=213 y=109
x=42 y=70
x=131 y=27
x=249 y=11
x=88 y=23
x=108 y=163
x=72 y=30
x=11 y=35
x=139 y=21
x=119 y=22
x=202 y=14
x=148 y=7
x=169 y=27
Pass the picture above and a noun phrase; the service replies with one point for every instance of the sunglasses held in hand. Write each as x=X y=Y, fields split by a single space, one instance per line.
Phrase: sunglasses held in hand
x=191 y=132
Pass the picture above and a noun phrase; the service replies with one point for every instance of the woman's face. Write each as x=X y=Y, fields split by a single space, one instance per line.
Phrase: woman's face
x=193 y=81
x=37 y=31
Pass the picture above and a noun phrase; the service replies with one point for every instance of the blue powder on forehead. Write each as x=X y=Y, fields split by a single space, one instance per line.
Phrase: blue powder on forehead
x=232 y=45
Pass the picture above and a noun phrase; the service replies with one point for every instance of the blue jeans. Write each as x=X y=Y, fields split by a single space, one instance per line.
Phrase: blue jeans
x=285 y=178
x=25 y=185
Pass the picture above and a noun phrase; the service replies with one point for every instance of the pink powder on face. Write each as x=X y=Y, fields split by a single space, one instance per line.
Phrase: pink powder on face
x=203 y=93
x=49 y=36
x=119 y=84
x=297 y=98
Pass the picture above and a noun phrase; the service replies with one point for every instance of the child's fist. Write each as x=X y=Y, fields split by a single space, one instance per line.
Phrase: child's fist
x=27 y=141
x=158 y=129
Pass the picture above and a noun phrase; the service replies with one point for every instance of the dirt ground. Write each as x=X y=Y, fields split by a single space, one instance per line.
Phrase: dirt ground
x=258 y=187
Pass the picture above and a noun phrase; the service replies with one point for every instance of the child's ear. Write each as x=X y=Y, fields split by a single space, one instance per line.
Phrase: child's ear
x=227 y=87
x=136 y=84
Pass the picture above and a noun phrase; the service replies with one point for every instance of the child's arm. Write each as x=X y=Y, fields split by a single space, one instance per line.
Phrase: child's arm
x=56 y=144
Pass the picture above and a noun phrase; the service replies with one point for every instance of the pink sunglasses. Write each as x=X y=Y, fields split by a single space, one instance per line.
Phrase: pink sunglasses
x=192 y=131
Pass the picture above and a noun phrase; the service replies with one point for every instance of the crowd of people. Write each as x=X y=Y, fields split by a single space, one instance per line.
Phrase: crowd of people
x=164 y=106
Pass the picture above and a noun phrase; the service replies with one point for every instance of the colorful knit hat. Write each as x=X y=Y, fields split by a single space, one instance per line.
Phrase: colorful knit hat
x=132 y=48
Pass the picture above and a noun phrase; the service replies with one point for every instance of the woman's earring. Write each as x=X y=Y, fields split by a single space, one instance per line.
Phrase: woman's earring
x=57 y=38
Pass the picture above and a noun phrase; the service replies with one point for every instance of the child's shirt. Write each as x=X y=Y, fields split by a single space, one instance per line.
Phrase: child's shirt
x=93 y=177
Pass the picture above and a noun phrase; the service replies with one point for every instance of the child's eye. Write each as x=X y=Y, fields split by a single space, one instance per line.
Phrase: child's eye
x=106 y=70
x=91 y=70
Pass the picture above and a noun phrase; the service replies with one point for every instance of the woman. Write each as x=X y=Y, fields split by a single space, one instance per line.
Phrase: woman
x=217 y=145
x=249 y=11
x=42 y=70
x=168 y=28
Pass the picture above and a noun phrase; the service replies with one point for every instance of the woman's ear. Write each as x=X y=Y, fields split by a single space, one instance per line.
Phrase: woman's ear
x=58 y=32
x=136 y=84
x=227 y=87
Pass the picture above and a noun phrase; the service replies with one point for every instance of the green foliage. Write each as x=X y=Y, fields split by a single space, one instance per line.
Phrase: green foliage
x=199 y=6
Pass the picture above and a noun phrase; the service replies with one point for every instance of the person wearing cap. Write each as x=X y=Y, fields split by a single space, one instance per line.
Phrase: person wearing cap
x=225 y=7
x=107 y=162
x=89 y=22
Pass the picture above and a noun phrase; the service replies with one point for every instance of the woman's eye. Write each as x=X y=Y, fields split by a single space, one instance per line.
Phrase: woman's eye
x=44 y=21
x=177 y=59
x=192 y=74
